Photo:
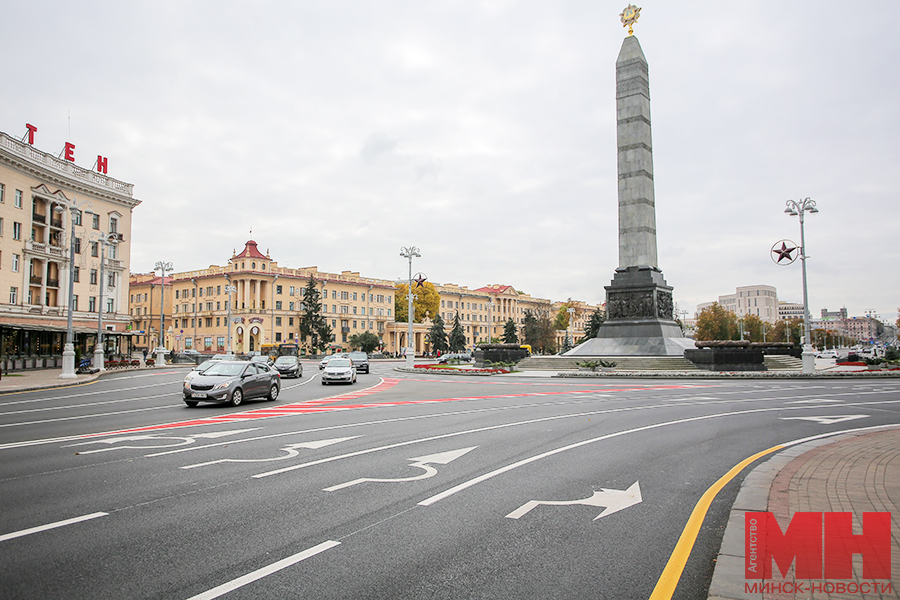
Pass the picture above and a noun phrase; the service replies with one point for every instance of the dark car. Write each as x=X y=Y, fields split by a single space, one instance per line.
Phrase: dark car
x=289 y=366
x=360 y=361
x=232 y=382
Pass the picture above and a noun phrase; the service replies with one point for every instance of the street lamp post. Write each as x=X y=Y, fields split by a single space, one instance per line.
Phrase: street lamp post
x=68 y=367
x=161 y=349
x=409 y=253
x=229 y=290
x=104 y=240
x=490 y=305
x=571 y=312
x=794 y=209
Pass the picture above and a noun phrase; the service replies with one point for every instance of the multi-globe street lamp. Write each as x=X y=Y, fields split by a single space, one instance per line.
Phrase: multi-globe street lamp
x=229 y=290
x=794 y=209
x=490 y=319
x=409 y=253
x=163 y=267
x=571 y=312
x=74 y=207
x=104 y=239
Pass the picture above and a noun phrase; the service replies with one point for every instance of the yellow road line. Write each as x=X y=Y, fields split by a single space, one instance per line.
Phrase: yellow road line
x=665 y=587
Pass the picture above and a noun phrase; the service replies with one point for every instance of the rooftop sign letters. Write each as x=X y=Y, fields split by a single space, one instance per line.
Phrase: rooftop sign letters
x=68 y=151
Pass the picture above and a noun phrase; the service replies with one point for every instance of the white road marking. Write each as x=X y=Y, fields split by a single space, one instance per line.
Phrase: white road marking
x=291 y=450
x=264 y=572
x=423 y=462
x=612 y=500
x=24 y=532
x=830 y=420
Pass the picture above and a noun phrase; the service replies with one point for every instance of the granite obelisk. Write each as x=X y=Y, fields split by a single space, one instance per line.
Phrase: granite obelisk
x=639 y=305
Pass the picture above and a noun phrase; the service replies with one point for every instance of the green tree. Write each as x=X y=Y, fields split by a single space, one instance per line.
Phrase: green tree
x=592 y=327
x=539 y=332
x=510 y=336
x=314 y=329
x=437 y=335
x=366 y=341
x=755 y=329
x=457 y=336
x=787 y=331
x=427 y=300
x=716 y=323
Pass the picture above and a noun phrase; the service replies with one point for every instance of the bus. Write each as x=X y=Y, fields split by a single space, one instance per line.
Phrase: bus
x=280 y=349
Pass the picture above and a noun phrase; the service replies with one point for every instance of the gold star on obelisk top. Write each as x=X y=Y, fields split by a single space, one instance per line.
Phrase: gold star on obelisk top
x=630 y=16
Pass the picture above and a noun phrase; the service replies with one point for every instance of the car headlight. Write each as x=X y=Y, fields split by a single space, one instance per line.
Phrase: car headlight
x=221 y=386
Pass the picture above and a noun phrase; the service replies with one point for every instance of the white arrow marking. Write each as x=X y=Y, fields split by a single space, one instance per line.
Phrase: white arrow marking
x=814 y=401
x=182 y=441
x=612 y=500
x=442 y=458
x=291 y=450
x=826 y=420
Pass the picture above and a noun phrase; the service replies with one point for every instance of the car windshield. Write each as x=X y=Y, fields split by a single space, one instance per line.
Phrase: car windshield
x=339 y=362
x=204 y=365
x=224 y=369
x=286 y=360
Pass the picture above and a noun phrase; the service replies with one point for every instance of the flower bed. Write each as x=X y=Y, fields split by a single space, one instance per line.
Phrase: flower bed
x=448 y=368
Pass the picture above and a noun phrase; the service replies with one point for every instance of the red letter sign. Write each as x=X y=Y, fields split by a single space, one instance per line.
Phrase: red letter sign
x=70 y=151
x=31 y=129
x=802 y=540
x=101 y=164
x=874 y=543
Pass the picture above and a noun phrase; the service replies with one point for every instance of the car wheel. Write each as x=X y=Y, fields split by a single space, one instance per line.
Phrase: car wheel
x=273 y=393
x=191 y=403
x=237 y=396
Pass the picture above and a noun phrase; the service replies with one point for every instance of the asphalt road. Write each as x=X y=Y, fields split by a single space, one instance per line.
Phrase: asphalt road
x=400 y=486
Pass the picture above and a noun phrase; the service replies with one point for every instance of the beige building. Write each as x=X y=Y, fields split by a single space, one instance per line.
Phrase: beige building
x=265 y=309
x=43 y=201
x=757 y=300
x=267 y=306
x=580 y=317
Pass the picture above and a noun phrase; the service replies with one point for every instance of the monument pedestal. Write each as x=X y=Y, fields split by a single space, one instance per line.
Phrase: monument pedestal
x=639 y=318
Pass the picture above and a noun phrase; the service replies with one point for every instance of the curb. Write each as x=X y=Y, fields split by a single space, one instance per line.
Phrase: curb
x=728 y=577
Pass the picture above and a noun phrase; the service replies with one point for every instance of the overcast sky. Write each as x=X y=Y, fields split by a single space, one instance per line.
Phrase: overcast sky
x=482 y=132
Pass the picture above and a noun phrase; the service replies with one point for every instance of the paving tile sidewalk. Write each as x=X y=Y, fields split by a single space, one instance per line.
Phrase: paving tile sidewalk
x=849 y=473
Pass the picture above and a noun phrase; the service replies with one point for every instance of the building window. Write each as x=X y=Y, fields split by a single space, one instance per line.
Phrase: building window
x=112 y=280
x=277 y=289
x=77 y=274
x=218 y=321
x=290 y=321
x=18 y=198
x=75 y=302
x=13 y=295
x=207 y=343
x=92 y=304
x=277 y=336
x=76 y=217
x=15 y=264
x=278 y=321
x=17 y=230
x=95 y=221
x=78 y=245
x=2 y=192
x=278 y=304
x=93 y=276
x=113 y=225
x=109 y=305
x=220 y=342
x=209 y=321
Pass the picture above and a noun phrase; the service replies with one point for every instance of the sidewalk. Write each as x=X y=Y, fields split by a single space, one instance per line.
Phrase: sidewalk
x=848 y=473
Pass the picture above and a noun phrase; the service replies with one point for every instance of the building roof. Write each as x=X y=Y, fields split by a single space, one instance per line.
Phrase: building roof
x=250 y=251
x=495 y=289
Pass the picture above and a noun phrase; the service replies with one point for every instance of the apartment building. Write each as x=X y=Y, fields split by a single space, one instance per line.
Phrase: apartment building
x=57 y=221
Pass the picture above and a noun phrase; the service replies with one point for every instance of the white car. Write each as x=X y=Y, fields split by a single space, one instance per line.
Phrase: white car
x=339 y=370
x=827 y=354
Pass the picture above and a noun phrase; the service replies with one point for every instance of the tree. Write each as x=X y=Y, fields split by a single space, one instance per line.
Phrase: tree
x=313 y=324
x=437 y=335
x=510 y=336
x=366 y=341
x=592 y=328
x=457 y=336
x=787 y=331
x=539 y=332
x=716 y=323
x=754 y=327
x=427 y=300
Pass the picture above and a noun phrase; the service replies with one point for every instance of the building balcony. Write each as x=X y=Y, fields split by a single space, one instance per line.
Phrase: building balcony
x=45 y=249
x=36 y=280
x=38 y=218
x=57 y=223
